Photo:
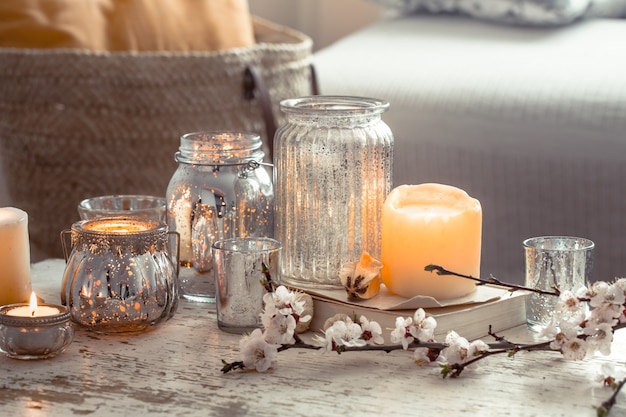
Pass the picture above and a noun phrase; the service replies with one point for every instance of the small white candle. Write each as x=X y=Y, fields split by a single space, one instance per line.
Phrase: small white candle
x=430 y=224
x=33 y=310
x=15 y=285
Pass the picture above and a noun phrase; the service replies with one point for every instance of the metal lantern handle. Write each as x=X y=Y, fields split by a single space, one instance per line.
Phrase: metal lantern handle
x=66 y=243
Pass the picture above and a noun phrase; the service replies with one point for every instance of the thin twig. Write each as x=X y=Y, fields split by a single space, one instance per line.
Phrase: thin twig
x=439 y=270
x=606 y=406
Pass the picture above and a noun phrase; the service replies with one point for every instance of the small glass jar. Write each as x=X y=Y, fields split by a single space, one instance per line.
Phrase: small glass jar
x=220 y=190
x=119 y=276
x=333 y=170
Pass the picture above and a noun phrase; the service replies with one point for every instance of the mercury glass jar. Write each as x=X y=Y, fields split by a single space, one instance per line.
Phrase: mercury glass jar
x=119 y=276
x=333 y=170
x=219 y=191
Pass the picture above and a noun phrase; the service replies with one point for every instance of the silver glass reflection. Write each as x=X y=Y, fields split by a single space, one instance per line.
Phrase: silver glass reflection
x=119 y=277
x=241 y=265
x=332 y=171
x=561 y=262
x=220 y=190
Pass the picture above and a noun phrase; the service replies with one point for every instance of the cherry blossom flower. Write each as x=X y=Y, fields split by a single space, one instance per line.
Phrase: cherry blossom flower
x=570 y=308
x=457 y=351
x=424 y=327
x=621 y=284
x=372 y=333
x=608 y=374
x=341 y=333
x=348 y=333
x=600 y=338
x=550 y=330
x=566 y=332
x=477 y=347
x=256 y=352
x=281 y=299
x=603 y=293
x=280 y=329
x=324 y=342
x=285 y=303
x=574 y=349
x=401 y=334
x=421 y=356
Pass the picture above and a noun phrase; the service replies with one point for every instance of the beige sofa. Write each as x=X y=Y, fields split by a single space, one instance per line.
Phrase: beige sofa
x=531 y=121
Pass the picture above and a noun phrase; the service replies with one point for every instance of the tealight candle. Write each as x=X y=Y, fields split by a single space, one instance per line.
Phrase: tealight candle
x=34 y=310
x=15 y=284
x=32 y=331
x=120 y=226
x=430 y=224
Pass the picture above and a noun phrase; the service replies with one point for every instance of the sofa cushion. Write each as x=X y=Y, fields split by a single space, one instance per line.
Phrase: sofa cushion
x=521 y=12
x=126 y=25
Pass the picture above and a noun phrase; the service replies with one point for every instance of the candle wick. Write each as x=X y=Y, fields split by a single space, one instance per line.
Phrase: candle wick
x=32 y=313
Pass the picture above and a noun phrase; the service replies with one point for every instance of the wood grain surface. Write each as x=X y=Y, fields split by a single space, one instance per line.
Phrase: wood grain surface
x=174 y=370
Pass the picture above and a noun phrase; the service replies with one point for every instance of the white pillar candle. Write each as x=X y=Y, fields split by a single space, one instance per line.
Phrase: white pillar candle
x=430 y=224
x=15 y=286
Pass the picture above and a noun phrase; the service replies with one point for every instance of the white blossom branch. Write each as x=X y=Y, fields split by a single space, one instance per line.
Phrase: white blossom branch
x=574 y=332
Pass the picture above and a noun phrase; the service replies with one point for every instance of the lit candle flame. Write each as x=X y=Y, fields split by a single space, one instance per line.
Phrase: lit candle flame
x=33 y=303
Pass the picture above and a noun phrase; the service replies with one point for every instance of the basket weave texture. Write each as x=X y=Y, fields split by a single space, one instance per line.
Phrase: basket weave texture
x=77 y=124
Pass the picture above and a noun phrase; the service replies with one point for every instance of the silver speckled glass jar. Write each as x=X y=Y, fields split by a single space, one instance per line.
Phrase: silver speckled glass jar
x=119 y=276
x=219 y=191
x=332 y=172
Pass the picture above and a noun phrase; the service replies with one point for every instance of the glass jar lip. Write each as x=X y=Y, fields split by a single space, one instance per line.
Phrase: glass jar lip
x=219 y=147
x=556 y=243
x=120 y=204
x=334 y=105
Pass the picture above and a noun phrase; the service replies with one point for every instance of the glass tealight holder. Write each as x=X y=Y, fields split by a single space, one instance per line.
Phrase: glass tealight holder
x=24 y=337
x=124 y=205
x=120 y=276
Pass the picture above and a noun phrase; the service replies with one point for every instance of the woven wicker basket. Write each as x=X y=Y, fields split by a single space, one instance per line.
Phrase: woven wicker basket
x=76 y=124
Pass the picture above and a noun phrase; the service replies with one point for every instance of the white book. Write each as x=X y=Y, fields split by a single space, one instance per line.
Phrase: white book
x=470 y=317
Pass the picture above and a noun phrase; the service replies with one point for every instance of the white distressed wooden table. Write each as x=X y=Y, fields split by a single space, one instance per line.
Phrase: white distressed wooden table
x=174 y=370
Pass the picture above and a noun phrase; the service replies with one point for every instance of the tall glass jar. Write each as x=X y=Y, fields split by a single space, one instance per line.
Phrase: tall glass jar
x=332 y=172
x=220 y=190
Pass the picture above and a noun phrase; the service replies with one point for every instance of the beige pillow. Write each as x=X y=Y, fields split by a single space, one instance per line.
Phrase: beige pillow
x=52 y=24
x=126 y=25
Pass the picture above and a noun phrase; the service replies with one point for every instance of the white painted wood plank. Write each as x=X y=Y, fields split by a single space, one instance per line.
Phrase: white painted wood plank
x=174 y=370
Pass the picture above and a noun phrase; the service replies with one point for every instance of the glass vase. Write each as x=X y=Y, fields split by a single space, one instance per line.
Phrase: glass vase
x=333 y=170
x=220 y=190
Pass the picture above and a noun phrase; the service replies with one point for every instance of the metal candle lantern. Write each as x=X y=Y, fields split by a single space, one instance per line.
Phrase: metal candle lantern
x=119 y=275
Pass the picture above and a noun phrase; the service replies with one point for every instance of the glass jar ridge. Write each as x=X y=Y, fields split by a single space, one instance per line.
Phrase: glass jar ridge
x=119 y=276
x=332 y=172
